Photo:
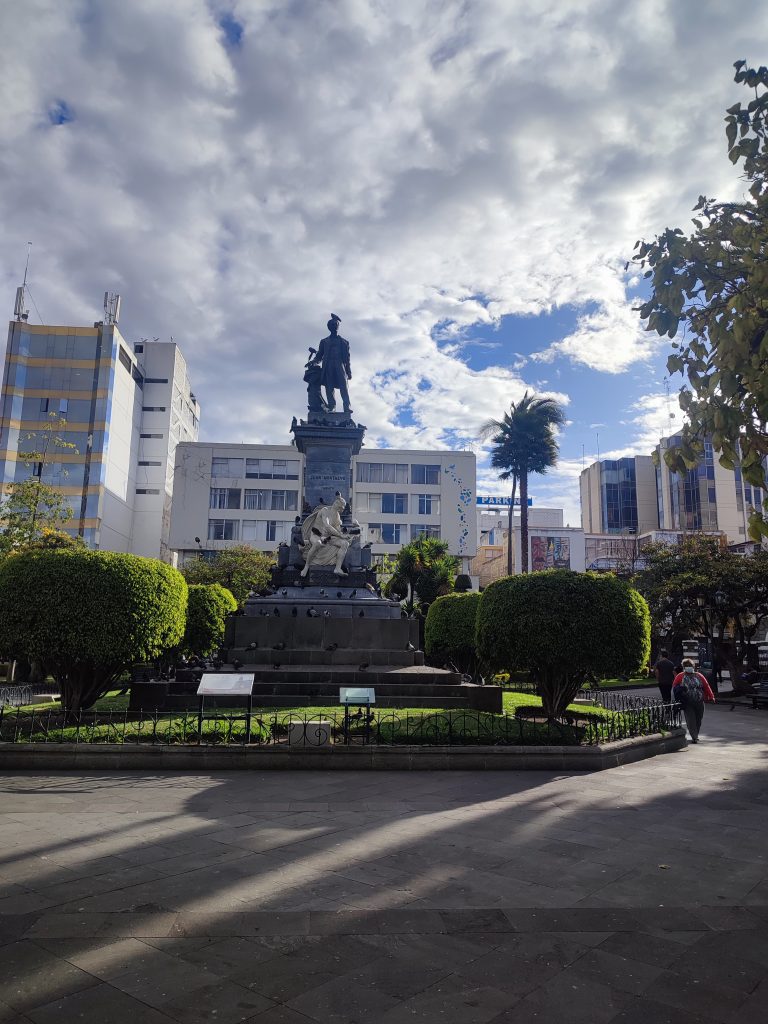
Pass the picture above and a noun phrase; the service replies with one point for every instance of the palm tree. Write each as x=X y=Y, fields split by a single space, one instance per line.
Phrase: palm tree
x=524 y=442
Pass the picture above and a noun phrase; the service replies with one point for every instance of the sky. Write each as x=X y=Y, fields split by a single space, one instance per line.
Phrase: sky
x=461 y=181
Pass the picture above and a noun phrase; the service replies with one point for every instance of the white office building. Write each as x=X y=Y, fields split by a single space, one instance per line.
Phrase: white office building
x=125 y=409
x=226 y=494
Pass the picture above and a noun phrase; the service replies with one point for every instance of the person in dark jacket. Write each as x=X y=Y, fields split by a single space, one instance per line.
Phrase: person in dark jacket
x=664 y=670
x=691 y=689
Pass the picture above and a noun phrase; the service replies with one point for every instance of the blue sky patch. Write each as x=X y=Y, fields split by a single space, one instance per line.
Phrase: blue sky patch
x=60 y=112
x=232 y=29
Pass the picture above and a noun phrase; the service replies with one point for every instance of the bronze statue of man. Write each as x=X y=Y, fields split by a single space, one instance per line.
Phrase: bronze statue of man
x=334 y=355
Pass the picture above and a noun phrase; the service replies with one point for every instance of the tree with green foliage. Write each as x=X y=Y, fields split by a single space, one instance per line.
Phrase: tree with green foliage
x=449 y=632
x=523 y=442
x=207 y=610
x=562 y=626
x=32 y=508
x=239 y=569
x=423 y=571
x=87 y=616
x=700 y=588
x=713 y=284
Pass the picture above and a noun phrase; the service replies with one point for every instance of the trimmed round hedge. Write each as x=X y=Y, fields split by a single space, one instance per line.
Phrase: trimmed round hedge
x=88 y=615
x=561 y=625
x=449 y=632
x=206 y=617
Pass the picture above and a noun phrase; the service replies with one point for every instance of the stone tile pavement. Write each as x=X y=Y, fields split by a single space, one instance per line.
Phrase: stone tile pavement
x=629 y=896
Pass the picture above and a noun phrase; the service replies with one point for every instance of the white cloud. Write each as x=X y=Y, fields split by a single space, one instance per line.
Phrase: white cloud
x=418 y=168
x=610 y=340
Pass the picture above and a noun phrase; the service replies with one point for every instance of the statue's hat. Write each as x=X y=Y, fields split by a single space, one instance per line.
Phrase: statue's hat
x=336 y=318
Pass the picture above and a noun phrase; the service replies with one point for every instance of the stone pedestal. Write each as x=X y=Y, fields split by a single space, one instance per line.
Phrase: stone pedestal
x=328 y=443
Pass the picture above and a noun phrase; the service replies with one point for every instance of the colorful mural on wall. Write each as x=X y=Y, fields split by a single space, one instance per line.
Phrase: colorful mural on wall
x=550 y=553
x=465 y=500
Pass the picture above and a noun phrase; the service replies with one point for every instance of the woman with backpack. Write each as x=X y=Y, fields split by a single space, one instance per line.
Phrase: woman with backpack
x=691 y=689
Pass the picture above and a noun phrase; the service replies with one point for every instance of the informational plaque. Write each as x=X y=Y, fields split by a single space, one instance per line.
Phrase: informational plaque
x=226 y=684
x=357 y=695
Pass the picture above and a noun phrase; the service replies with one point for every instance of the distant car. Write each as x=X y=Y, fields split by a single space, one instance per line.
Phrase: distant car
x=613 y=564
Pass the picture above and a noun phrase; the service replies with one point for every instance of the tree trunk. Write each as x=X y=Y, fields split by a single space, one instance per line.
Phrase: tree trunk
x=556 y=690
x=510 y=521
x=523 y=521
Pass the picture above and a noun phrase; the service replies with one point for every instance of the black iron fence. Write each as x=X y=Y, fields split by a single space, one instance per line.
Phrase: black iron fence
x=619 y=701
x=363 y=726
x=16 y=695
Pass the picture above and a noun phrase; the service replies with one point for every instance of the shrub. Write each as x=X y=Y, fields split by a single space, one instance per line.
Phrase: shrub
x=88 y=615
x=462 y=584
x=562 y=625
x=240 y=569
x=449 y=632
x=206 y=613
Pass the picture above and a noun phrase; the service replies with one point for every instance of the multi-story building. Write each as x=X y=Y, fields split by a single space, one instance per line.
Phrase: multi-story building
x=706 y=498
x=638 y=496
x=400 y=495
x=124 y=409
x=619 y=496
x=226 y=494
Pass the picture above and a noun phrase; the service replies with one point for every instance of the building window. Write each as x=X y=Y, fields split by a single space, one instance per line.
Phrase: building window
x=153 y=408
x=417 y=531
x=272 y=469
x=138 y=378
x=223 y=529
x=225 y=497
x=155 y=380
x=284 y=501
x=151 y=435
x=147 y=490
x=382 y=473
x=150 y=462
x=226 y=467
x=394 y=504
x=44 y=405
x=429 y=504
x=386 y=533
x=425 y=474
x=265 y=529
x=389 y=504
x=257 y=498
x=125 y=359
x=138 y=348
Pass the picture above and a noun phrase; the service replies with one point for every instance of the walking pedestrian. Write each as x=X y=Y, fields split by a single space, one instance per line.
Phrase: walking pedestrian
x=664 y=670
x=691 y=689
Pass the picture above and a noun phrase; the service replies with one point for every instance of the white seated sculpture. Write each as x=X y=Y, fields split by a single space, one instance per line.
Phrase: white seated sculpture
x=325 y=543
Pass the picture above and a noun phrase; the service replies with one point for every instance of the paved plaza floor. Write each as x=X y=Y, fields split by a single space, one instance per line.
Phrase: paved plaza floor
x=632 y=896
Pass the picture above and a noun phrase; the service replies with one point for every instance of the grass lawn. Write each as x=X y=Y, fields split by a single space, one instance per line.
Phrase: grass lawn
x=111 y=722
x=633 y=681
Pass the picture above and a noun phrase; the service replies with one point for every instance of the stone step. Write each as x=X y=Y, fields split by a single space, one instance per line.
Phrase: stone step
x=266 y=657
x=182 y=702
x=318 y=633
x=339 y=675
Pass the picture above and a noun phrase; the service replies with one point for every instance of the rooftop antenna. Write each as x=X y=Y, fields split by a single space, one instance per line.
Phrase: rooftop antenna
x=18 y=310
x=670 y=414
x=583 y=457
x=111 y=307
